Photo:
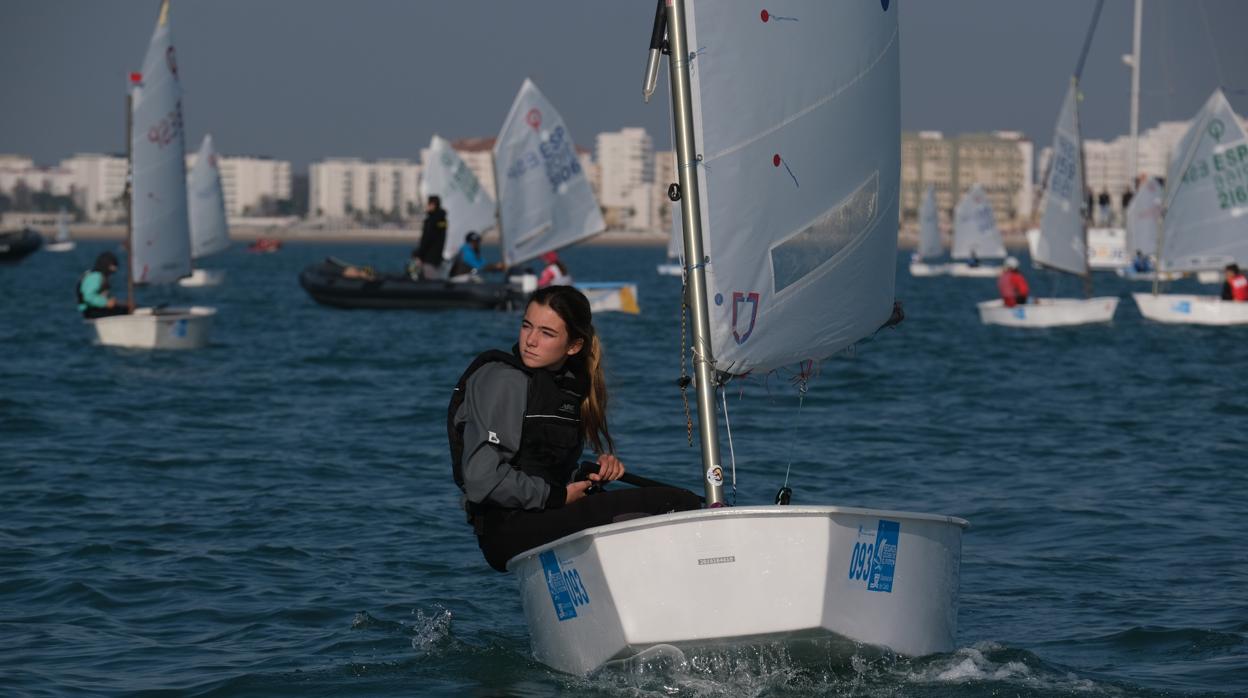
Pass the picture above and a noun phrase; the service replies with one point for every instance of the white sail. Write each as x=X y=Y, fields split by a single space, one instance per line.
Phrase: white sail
x=1144 y=219
x=468 y=207
x=544 y=199
x=797 y=125
x=929 y=226
x=975 y=227
x=1062 y=244
x=1205 y=223
x=160 y=243
x=62 y=226
x=206 y=201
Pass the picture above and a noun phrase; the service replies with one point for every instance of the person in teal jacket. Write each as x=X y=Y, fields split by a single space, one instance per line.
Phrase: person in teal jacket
x=94 y=299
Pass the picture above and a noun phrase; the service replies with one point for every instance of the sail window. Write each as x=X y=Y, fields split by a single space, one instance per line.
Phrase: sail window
x=812 y=246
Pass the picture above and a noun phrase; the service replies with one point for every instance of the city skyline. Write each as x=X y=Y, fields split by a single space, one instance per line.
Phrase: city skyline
x=286 y=80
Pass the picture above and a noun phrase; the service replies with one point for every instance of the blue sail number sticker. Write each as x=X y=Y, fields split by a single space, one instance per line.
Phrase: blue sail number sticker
x=875 y=556
x=566 y=590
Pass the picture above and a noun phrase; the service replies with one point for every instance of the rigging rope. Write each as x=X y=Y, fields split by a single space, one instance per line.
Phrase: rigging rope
x=732 y=453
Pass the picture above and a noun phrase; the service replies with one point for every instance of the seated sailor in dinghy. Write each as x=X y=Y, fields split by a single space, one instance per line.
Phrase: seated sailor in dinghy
x=555 y=273
x=468 y=262
x=1012 y=284
x=94 y=299
x=517 y=424
x=1235 y=287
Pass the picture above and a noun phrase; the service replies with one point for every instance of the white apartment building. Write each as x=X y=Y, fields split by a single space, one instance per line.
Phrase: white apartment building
x=99 y=182
x=247 y=181
x=626 y=161
x=342 y=187
x=1107 y=163
x=664 y=175
x=1001 y=161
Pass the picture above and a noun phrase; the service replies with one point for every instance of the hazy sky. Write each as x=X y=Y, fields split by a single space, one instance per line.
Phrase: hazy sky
x=307 y=79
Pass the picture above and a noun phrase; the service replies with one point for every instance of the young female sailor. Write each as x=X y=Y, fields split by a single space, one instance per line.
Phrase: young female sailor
x=517 y=424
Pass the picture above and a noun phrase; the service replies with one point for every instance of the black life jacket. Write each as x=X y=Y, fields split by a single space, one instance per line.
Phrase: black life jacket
x=551 y=436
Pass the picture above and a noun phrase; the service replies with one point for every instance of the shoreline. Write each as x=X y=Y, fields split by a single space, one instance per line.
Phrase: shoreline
x=906 y=239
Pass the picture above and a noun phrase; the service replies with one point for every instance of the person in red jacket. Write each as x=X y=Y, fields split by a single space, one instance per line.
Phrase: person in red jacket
x=1235 y=288
x=1012 y=285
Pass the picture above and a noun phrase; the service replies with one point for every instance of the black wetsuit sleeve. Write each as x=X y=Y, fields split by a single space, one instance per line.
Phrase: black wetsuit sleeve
x=493 y=417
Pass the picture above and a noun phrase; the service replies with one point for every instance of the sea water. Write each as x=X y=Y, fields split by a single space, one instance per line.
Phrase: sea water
x=274 y=514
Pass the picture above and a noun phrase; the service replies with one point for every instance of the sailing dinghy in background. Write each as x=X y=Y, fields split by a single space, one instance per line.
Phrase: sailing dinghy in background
x=1063 y=242
x=1205 y=222
x=776 y=573
x=159 y=238
x=62 y=242
x=545 y=201
x=975 y=235
x=930 y=246
x=210 y=233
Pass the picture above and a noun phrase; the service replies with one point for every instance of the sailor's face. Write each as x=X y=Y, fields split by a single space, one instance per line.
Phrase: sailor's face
x=544 y=341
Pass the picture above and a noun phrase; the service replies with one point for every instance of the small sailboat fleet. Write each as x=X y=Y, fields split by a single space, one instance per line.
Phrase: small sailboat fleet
x=159 y=240
x=930 y=246
x=210 y=233
x=975 y=236
x=795 y=273
x=1203 y=224
x=62 y=242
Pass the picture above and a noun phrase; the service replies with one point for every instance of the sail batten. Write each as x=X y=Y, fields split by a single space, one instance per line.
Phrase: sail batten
x=206 y=204
x=798 y=124
x=542 y=188
x=469 y=208
x=1204 y=224
x=160 y=244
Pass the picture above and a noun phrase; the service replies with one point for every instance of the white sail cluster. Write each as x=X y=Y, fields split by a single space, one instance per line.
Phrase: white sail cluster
x=796 y=121
x=161 y=241
x=1144 y=218
x=929 y=226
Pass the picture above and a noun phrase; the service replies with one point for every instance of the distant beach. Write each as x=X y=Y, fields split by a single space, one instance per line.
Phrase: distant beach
x=907 y=237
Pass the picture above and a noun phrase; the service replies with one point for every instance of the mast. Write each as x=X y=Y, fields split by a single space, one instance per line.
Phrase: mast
x=1083 y=169
x=691 y=224
x=130 y=194
x=1133 y=162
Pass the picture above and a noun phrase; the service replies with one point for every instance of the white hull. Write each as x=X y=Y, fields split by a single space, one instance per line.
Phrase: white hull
x=1049 y=312
x=611 y=297
x=979 y=272
x=1107 y=249
x=924 y=269
x=741 y=576
x=1210 y=277
x=149 y=328
x=1189 y=309
x=65 y=246
x=669 y=269
x=203 y=277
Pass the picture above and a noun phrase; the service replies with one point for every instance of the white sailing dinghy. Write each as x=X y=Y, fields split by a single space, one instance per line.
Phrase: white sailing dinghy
x=673 y=265
x=159 y=232
x=545 y=201
x=1063 y=242
x=794 y=202
x=210 y=233
x=930 y=246
x=468 y=207
x=975 y=235
x=1204 y=223
x=62 y=242
x=1143 y=227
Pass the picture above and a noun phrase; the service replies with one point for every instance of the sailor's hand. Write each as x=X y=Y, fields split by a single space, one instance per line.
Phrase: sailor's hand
x=609 y=468
x=112 y=303
x=576 y=490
